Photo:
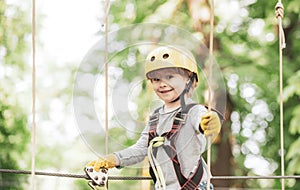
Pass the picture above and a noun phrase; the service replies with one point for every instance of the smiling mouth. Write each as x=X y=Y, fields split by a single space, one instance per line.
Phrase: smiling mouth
x=165 y=91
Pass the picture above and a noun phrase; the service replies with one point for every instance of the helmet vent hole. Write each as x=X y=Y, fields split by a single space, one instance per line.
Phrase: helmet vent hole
x=166 y=55
x=152 y=58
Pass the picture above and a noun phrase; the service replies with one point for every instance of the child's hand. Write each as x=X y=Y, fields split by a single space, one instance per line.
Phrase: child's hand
x=210 y=124
x=108 y=161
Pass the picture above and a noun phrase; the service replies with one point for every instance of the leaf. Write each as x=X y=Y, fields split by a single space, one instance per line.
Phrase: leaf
x=294 y=150
x=294 y=166
x=293 y=86
x=288 y=92
x=295 y=121
x=293 y=6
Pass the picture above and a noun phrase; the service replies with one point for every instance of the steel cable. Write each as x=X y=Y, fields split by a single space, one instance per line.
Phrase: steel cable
x=120 y=178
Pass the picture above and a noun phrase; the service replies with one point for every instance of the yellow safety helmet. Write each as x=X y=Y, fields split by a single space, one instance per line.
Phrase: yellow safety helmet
x=168 y=57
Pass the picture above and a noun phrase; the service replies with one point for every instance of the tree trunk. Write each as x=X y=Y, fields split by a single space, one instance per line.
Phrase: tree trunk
x=223 y=163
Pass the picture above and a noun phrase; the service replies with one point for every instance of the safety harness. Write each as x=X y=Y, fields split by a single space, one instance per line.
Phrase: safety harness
x=155 y=141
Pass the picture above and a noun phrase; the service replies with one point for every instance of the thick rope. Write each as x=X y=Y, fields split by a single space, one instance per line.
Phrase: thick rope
x=279 y=11
x=33 y=128
x=211 y=39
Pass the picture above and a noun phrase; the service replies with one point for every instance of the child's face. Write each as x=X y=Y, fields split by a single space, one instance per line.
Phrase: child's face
x=168 y=85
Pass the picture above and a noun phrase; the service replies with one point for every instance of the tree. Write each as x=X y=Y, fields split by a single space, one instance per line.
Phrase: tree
x=14 y=134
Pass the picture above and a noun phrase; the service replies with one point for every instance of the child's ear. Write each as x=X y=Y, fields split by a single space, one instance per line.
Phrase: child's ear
x=195 y=84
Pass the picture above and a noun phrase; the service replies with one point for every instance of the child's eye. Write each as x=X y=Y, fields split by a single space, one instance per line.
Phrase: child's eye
x=155 y=79
x=169 y=77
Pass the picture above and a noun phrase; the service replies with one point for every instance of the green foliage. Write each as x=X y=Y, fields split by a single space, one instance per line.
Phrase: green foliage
x=130 y=12
x=294 y=124
x=14 y=136
x=257 y=64
x=294 y=156
x=293 y=86
x=13 y=40
x=13 y=141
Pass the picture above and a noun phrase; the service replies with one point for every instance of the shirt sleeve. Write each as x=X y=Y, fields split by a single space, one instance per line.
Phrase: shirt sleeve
x=195 y=115
x=135 y=153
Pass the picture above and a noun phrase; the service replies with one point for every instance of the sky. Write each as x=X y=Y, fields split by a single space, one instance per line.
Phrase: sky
x=69 y=28
x=66 y=31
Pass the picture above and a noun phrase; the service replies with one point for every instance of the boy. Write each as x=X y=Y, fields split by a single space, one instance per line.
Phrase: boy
x=174 y=137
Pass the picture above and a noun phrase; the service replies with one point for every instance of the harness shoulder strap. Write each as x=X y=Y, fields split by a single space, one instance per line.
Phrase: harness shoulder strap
x=179 y=117
x=193 y=181
x=153 y=122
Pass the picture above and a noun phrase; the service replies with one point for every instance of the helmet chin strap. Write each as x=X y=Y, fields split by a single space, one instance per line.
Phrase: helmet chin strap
x=175 y=99
x=186 y=90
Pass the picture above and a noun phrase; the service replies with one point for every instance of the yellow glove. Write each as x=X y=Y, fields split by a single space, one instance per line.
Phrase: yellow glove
x=210 y=124
x=108 y=161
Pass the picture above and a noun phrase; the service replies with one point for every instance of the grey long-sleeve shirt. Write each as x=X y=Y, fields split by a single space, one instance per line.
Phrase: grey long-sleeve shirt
x=190 y=144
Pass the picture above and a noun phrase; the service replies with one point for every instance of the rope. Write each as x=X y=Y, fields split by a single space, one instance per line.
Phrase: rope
x=211 y=39
x=279 y=11
x=33 y=100
x=107 y=7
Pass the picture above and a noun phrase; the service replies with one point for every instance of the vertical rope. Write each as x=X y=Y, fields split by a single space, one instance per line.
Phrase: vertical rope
x=211 y=39
x=279 y=11
x=107 y=7
x=33 y=128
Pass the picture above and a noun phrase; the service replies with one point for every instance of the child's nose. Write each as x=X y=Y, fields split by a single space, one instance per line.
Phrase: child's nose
x=162 y=83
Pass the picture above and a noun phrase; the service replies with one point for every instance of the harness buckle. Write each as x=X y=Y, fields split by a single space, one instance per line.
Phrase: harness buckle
x=97 y=179
x=158 y=141
x=181 y=117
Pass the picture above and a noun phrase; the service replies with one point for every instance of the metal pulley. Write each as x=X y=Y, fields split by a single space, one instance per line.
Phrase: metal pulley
x=97 y=179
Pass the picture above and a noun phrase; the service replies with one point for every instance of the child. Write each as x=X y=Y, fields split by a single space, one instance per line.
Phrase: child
x=174 y=137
